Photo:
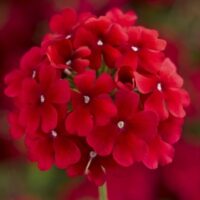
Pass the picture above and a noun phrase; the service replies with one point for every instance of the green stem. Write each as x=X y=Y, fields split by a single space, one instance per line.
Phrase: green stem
x=103 y=192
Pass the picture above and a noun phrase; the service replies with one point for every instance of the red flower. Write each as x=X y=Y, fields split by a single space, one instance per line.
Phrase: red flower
x=127 y=134
x=124 y=19
x=91 y=103
x=158 y=152
x=29 y=66
x=143 y=49
x=128 y=108
x=104 y=38
x=92 y=165
x=54 y=147
x=66 y=22
x=39 y=100
x=61 y=24
x=62 y=55
x=164 y=89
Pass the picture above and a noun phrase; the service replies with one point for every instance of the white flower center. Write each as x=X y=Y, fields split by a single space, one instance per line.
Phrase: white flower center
x=42 y=99
x=134 y=48
x=93 y=154
x=120 y=124
x=68 y=36
x=86 y=99
x=159 y=87
x=54 y=134
x=100 y=43
x=69 y=62
x=34 y=74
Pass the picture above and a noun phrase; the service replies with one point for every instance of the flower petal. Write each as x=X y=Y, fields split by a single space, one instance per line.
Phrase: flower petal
x=66 y=152
x=128 y=149
x=156 y=103
x=85 y=81
x=145 y=84
x=59 y=92
x=127 y=103
x=103 y=109
x=102 y=139
x=158 y=152
x=49 y=117
x=79 y=122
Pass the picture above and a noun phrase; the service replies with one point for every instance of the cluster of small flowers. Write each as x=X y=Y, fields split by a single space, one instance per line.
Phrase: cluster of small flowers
x=98 y=93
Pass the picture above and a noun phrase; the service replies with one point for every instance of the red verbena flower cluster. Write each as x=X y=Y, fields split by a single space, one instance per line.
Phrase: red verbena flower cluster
x=99 y=92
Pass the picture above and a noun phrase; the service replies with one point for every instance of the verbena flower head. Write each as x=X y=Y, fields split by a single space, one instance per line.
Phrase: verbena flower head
x=99 y=92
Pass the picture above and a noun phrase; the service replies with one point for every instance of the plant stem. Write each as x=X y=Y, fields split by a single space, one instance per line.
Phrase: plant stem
x=103 y=192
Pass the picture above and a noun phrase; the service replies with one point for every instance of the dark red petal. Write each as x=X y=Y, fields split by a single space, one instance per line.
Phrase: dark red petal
x=95 y=59
x=116 y=36
x=96 y=173
x=84 y=37
x=85 y=81
x=111 y=55
x=98 y=26
x=103 y=108
x=59 y=92
x=134 y=34
x=127 y=103
x=63 y=23
x=76 y=169
x=79 y=122
x=29 y=117
x=41 y=151
x=144 y=125
x=49 y=117
x=77 y=99
x=158 y=152
x=128 y=149
x=66 y=152
x=31 y=59
x=128 y=59
x=82 y=52
x=30 y=92
x=56 y=24
x=102 y=139
x=47 y=75
x=14 y=83
x=79 y=65
x=59 y=52
x=104 y=84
